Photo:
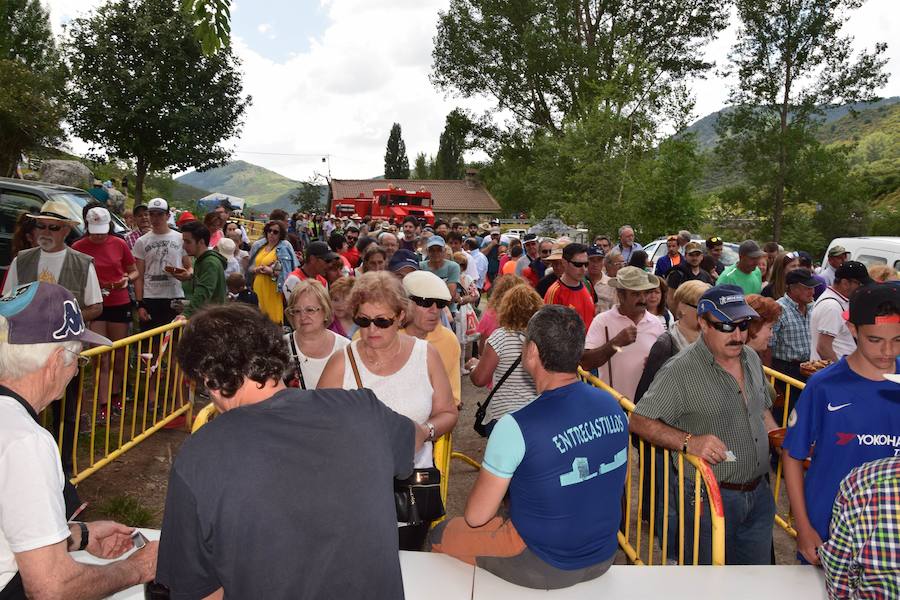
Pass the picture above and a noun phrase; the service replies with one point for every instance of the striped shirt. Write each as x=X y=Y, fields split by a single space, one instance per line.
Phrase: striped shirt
x=692 y=392
x=790 y=335
x=862 y=557
x=518 y=389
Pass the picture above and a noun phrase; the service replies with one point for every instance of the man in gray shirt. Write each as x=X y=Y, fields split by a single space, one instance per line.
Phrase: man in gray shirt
x=712 y=401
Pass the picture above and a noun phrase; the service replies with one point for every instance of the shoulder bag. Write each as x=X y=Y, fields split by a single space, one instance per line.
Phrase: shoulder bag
x=481 y=413
x=417 y=498
x=297 y=380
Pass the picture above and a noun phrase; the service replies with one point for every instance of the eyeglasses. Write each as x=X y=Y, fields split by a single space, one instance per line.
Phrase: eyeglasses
x=43 y=226
x=691 y=305
x=619 y=264
x=546 y=252
x=379 y=322
x=578 y=264
x=308 y=310
x=352 y=239
x=427 y=302
x=83 y=361
x=729 y=327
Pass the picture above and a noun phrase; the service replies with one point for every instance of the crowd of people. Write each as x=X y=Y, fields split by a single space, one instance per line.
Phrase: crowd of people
x=304 y=338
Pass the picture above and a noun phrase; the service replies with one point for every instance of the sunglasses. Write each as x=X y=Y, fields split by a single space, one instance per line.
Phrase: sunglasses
x=268 y=231
x=427 y=302
x=43 y=226
x=729 y=327
x=379 y=322
x=578 y=264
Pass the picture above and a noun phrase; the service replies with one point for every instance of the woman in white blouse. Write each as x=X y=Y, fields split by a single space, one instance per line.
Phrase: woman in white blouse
x=311 y=344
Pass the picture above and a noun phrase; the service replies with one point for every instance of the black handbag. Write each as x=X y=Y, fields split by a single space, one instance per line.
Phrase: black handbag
x=418 y=497
x=481 y=413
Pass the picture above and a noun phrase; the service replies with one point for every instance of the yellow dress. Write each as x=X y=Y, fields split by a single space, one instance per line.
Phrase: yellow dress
x=267 y=290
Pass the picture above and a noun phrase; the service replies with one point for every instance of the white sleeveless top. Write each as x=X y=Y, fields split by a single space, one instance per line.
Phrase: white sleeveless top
x=312 y=367
x=407 y=392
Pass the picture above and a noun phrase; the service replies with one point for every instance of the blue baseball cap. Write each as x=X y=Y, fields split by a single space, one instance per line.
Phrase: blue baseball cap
x=402 y=259
x=727 y=303
x=436 y=240
x=44 y=313
x=593 y=251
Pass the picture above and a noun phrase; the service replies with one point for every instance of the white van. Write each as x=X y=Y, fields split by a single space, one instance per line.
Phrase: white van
x=870 y=250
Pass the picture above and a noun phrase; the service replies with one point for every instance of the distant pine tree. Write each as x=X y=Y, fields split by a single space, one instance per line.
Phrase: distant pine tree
x=396 y=163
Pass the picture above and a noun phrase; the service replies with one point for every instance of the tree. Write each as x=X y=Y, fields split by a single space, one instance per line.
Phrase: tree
x=452 y=144
x=424 y=167
x=548 y=60
x=142 y=89
x=212 y=23
x=308 y=197
x=32 y=82
x=396 y=163
x=791 y=62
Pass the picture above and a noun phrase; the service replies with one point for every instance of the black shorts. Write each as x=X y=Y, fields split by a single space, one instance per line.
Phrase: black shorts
x=116 y=314
x=161 y=313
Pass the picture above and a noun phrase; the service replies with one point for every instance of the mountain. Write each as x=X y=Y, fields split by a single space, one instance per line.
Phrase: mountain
x=705 y=129
x=253 y=183
x=284 y=202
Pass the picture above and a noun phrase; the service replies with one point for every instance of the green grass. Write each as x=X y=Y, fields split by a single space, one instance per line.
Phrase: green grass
x=125 y=509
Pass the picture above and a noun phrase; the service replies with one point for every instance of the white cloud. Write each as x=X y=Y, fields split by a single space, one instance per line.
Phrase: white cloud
x=263 y=27
x=369 y=68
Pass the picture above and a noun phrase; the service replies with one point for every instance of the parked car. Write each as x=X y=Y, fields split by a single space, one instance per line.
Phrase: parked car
x=657 y=249
x=18 y=196
x=870 y=250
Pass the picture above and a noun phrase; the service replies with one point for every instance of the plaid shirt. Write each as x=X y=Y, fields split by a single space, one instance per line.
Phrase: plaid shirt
x=862 y=557
x=790 y=335
x=131 y=237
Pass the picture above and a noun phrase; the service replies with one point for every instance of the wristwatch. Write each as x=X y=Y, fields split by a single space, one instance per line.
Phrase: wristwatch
x=430 y=427
x=685 y=443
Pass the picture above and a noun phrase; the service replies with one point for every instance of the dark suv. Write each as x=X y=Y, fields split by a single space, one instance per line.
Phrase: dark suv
x=19 y=195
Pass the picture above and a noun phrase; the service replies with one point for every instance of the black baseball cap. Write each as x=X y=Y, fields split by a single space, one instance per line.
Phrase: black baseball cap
x=529 y=237
x=714 y=241
x=802 y=276
x=320 y=250
x=595 y=251
x=855 y=270
x=867 y=300
x=403 y=258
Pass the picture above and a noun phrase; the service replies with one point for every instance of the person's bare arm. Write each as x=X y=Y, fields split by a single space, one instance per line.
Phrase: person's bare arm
x=91 y=312
x=444 y=413
x=808 y=539
x=825 y=347
x=485 y=366
x=485 y=498
x=49 y=572
x=708 y=447
x=769 y=421
x=333 y=374
x=597 y=357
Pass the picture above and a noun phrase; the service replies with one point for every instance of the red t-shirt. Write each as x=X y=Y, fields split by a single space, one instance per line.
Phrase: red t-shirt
x=578 y=298
x=298 y=272
x=352 y=256
x=111 y=261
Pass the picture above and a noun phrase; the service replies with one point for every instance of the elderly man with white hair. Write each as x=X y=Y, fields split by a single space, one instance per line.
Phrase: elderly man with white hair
x=41 y=333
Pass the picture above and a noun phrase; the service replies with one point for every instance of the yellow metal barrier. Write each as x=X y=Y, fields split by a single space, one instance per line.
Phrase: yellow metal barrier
x=638 y=542
x=126 y=393
x=204 y=416
x=792 y=389
x=254 y=229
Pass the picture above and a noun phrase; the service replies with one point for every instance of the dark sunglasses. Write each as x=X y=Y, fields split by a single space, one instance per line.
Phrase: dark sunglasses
x=43 y=226
x=729 y=327
x=578 y=264
x=268 y=231
x=427 y=302
x=546 y=252
x=379 y=322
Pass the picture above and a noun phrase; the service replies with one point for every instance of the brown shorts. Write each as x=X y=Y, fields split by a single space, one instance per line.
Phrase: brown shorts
x=497 y=547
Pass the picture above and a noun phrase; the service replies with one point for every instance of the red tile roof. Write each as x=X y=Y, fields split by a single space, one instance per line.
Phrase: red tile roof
x=448 y=195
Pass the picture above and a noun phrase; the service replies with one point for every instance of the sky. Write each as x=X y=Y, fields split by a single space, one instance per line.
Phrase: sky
x=329 y=77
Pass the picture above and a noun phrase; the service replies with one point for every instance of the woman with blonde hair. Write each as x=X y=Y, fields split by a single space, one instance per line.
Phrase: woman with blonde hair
x=501 y=359
x=488 y=322
x=882 y=273
x=404 y=372
x=311 y=344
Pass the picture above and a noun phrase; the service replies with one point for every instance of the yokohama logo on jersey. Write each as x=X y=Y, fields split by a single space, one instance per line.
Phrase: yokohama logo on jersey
x=868 y=439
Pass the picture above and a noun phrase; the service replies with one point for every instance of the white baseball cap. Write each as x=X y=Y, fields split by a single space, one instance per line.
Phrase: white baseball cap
x=98 y=220
x=158 y=204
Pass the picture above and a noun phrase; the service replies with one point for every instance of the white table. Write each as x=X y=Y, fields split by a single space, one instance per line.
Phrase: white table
x=430 y=576
x=624 y=582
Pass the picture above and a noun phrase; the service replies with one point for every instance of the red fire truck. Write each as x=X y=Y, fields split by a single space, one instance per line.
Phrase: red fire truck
x=389 y=203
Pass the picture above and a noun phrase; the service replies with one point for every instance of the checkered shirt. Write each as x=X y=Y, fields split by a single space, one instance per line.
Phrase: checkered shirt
x=131 y=237
x=862 y=556
x=790 y=335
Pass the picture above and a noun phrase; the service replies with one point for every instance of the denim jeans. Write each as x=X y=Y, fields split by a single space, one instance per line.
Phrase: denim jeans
x=749 y=518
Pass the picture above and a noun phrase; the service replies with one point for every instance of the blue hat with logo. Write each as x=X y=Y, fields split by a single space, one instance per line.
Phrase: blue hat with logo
x=595 y=251
x=727 y=303
x=44 y=313
x=403 y=258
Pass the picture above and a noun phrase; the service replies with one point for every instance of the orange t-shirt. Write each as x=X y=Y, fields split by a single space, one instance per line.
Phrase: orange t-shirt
x=577 y=298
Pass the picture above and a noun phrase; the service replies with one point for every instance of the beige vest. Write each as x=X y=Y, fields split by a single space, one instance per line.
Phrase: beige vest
x=72 y=276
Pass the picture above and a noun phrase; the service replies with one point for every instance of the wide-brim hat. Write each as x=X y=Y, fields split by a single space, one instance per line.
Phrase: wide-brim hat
x=56 y=211
x=634 y=279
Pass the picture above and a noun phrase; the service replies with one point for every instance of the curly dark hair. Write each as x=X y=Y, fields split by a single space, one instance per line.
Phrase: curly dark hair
x=223 y=345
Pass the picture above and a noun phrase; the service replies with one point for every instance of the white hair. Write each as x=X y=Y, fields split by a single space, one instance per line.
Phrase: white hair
x=623 y=228
x=20 y=360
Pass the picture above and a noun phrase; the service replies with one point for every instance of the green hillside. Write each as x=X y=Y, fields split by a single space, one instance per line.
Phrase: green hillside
x=244 y=180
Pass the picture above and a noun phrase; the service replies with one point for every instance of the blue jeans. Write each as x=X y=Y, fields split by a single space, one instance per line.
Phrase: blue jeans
x=749 y=518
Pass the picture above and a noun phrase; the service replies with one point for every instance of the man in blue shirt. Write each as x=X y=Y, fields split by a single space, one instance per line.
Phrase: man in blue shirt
x=563 y=460
x=848 y=411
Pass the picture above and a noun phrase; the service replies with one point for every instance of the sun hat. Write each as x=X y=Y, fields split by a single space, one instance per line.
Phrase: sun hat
x=56 y=210
x=634 y=279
